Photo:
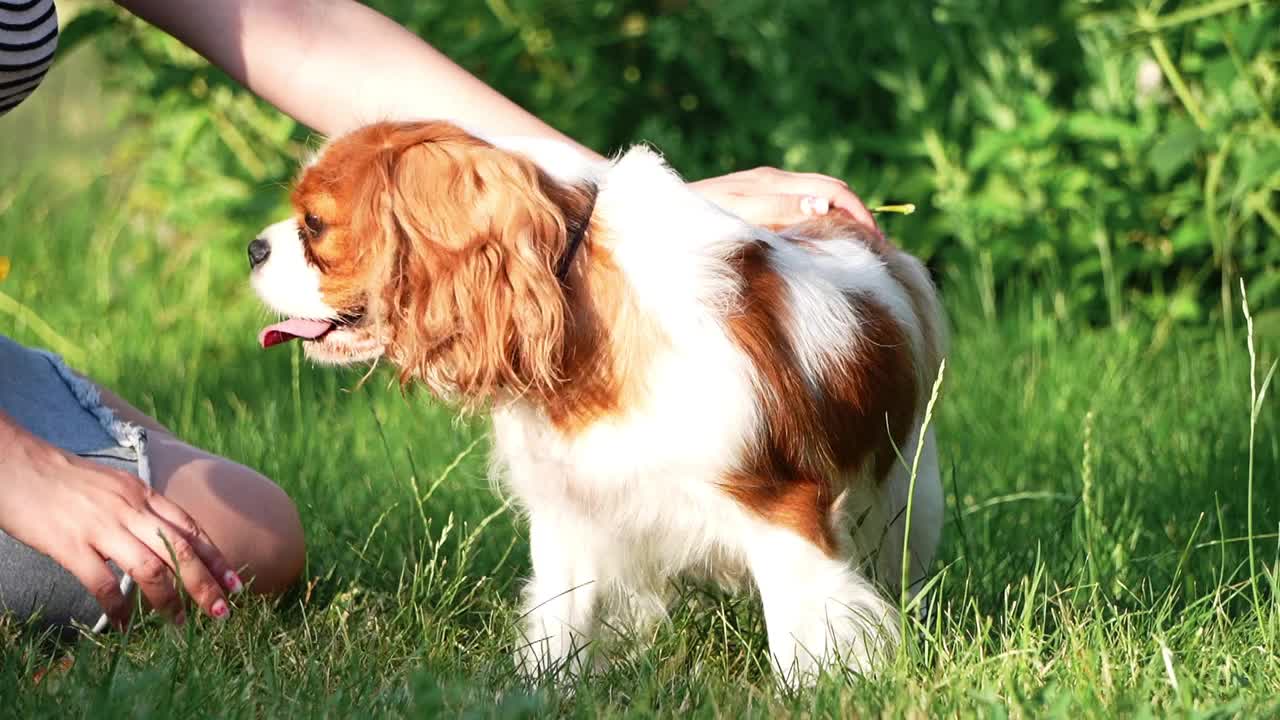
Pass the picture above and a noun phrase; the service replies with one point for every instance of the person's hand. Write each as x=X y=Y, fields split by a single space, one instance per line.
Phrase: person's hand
x=776 y=198
x=82 y=514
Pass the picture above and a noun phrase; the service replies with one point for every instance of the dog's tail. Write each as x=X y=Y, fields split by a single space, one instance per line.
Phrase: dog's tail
x=934 y=338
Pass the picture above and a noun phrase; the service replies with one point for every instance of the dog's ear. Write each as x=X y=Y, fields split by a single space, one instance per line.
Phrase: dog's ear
x=477 y=306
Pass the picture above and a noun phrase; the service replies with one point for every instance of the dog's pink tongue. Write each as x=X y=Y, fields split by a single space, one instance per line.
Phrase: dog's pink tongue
x=293 y=328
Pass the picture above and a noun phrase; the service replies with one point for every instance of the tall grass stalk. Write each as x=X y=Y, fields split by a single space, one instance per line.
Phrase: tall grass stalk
x=1256 y=396
x=911 y=496
x=43 y=330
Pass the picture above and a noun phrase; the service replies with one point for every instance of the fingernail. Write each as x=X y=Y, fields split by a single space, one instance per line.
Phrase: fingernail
x=220 y=609
x=181 y=618
x=231 y=581
x=810 y=205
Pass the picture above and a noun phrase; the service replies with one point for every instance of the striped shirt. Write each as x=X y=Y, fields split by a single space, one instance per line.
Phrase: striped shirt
x=28 y=37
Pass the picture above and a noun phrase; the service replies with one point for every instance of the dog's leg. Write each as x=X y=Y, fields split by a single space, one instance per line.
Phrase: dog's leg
x=629 y=617
x=819 y=611
x=560 y=600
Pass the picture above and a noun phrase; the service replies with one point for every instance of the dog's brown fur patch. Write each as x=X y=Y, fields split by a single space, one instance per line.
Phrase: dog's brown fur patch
x=815 y=436
x=608 y=342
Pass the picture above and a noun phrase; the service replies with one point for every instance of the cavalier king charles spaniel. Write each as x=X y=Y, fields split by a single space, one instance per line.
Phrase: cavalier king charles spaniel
x=674 y=392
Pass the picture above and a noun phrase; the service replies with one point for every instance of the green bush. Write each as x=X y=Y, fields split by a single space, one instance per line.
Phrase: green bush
x=1125 y=160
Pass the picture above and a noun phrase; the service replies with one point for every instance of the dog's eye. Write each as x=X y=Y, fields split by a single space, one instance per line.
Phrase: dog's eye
x=315 y=225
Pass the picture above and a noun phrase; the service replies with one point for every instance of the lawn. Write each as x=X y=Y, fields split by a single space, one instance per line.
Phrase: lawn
x=1096 y=560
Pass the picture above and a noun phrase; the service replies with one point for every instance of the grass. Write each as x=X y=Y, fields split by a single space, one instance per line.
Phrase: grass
x=1095 y=561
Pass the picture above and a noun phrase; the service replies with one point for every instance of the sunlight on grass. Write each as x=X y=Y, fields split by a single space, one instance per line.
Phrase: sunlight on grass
x=1256 y=396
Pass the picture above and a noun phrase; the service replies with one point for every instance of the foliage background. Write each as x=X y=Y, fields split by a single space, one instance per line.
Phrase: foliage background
x=1123 y=157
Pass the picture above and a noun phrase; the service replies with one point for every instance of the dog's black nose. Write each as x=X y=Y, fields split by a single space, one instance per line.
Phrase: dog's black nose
x=259 y=251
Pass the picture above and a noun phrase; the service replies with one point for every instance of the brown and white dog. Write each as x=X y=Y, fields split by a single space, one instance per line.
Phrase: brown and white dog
x=674 y=391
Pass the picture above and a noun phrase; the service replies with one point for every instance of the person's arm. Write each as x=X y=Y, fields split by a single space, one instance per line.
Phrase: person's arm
x=334 y=65
x=82 y=514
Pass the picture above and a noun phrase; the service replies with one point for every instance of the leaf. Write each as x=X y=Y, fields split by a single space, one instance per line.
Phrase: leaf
x=1251 y=35
x=1267 y=324
x=887 y=80
x=84 y=27
x=1175 y=150
x=1263 y=288
x=1191 y=234
x=1184 y=306
x=1261 y=165
x=990 y=145
x=1219 y=74
x=1093 y=126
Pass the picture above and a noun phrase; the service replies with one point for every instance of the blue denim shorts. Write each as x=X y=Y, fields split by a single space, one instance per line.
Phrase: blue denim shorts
x=42 y=395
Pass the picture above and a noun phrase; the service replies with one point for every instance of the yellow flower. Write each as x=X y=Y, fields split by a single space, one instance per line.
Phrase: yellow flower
x=4 y=267
x=903 y=209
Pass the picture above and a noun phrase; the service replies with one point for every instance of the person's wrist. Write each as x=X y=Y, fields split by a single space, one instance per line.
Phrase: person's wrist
x=26 y=459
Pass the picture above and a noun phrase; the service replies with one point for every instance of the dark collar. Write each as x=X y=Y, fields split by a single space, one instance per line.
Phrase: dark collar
x=577 y=230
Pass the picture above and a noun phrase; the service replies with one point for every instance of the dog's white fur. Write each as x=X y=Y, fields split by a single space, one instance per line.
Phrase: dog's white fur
x=619 y=511
x=286 y=281
x=622 y=508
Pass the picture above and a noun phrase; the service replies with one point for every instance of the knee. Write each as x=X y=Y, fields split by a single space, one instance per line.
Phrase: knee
x=247 y=516
x=276 y=562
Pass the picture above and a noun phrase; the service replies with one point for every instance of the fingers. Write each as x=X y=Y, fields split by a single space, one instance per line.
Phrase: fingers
x=776 y=211
x=831 y=191
x=151 y=573
x=158 y=544
x=92 y=572
x=209 y=553
x=109 y=515
x=852 y=204
x=173 y=549
x=776 y=198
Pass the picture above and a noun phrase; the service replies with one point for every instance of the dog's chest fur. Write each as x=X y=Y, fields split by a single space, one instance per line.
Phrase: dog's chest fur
x=644 y=481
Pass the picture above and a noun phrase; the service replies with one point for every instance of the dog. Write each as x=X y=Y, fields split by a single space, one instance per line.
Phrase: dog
x=674 y=392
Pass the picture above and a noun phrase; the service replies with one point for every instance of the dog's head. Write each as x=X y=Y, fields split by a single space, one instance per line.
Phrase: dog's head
x=432 y=247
